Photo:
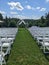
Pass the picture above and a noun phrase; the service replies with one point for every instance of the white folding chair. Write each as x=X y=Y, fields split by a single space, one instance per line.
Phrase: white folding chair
x=2 y=56
x=45 y=45
x=2 y=60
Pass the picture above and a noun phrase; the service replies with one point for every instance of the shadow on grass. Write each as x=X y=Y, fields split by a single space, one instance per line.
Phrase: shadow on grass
x=7 y=57
x=46 y=56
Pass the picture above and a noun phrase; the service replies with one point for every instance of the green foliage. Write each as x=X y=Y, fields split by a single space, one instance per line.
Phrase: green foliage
x=12 y=23
x=1 y=24
x=1 y=17
x=6 y=22
x=47 y=19
x=29 y=22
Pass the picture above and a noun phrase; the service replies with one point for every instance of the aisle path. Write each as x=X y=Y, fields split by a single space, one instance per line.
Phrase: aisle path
x=25 y=51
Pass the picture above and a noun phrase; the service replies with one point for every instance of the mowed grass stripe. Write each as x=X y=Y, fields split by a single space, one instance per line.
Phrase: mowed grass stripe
x=25 y=50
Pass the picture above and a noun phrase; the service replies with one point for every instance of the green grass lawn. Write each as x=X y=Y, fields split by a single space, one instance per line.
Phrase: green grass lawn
x=25 y=51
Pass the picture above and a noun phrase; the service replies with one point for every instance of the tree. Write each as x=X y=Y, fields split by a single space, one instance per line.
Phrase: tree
x=1 y=17
x=42 y=20
x=47 y=19
x=6 y=22
x=12 y=23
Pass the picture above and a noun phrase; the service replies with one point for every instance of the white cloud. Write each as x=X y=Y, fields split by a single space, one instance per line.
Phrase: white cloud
x=13 y=13
x=28 y=7
x=38 y=8
x=43 y=9
x=2 y=12
x=12 y=8
x=15 y=5
x=47 y=0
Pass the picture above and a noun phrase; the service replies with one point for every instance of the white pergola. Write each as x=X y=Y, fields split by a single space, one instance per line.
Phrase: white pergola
x=20 y=22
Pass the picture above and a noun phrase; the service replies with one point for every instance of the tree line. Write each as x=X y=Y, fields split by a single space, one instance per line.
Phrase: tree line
x=43 y=21
x=8 y=22
x=12 y=22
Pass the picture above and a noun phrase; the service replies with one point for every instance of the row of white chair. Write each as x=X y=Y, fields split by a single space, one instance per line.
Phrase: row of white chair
x=6 y=41
x=42 y=37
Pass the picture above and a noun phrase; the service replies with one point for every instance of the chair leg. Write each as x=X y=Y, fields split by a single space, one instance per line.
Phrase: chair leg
x=44 y=49
x=38 y=42
x=4 y=62
x=41 y=47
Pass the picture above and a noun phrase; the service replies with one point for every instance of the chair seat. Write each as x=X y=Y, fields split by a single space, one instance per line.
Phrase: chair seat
x=6 y=45
x=3 y=39
x=11 y=39
x=6 y=40
x=39 y=38
x=46 y=43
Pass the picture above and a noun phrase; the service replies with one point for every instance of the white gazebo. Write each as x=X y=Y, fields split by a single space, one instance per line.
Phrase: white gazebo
x=20 y=22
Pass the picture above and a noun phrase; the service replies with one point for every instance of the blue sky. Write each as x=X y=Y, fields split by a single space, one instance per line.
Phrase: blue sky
x=32 y=9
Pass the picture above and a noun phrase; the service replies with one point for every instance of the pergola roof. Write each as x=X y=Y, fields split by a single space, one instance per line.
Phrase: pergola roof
x=22 y=21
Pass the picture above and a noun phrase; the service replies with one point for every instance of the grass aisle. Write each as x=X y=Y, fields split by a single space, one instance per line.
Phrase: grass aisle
x=25 y=51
